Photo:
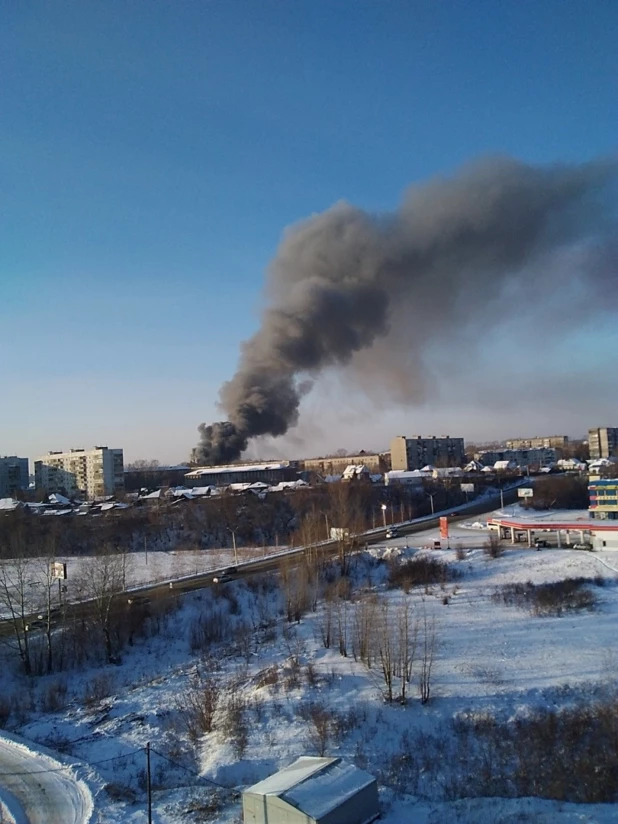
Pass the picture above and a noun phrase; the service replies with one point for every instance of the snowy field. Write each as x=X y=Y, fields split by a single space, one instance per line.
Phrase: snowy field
x=491 y=658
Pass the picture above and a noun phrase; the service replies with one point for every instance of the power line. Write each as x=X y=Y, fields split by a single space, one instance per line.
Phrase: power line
x=196 y=774
x=70 y=766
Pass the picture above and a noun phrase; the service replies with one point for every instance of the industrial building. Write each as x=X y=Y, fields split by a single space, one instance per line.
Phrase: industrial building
x=408 y=454
x=518 y=457
x=603 y=442
x=376 y=463
x=13 y=475
x=558 y=442
x=269 y=473
x=94 y=473
x=313 y=791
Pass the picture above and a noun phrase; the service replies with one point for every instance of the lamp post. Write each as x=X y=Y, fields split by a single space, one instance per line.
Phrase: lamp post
x=384 y=514
x=431 y=497
x=233 y=531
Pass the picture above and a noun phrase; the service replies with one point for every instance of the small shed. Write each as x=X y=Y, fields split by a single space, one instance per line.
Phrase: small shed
x=313 y=791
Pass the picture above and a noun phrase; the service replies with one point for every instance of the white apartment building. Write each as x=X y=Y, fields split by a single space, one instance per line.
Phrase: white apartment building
x=94 y=473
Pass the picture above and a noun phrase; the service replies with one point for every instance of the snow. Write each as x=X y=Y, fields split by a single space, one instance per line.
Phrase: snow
x=492 y=659
x=217 y=470
x=39 y=789
x=302 y=769
x=333 y=784
x=8 y=504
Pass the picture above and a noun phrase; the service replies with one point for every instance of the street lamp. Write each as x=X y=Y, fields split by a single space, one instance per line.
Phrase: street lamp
x=384 y=514
x=431 y=497
x=233 y=531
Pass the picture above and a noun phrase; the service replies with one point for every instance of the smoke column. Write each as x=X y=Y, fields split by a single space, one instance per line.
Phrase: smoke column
x=338 y=278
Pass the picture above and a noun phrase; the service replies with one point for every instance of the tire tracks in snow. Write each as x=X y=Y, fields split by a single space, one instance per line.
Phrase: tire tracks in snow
x=47 y=791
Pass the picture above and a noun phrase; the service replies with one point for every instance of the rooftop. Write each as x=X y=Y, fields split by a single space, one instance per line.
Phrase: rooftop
x=316 y=786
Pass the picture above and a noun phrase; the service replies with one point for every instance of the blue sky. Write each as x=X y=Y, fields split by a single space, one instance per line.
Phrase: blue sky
x=153 y=152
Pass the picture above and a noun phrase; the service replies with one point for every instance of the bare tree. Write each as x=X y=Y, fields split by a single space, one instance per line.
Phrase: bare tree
x=321 y=727
x=16 y=576
x=102 y=585
x=428 y=648
x=385 y=648
x=363 y=630
x=197 y=706
x=407 y=630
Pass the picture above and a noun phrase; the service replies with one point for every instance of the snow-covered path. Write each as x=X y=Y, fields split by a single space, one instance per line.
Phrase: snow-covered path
x=46 y=790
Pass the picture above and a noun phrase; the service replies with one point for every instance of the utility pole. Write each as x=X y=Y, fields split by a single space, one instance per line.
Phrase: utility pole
x=148 y=783
x=501 y=498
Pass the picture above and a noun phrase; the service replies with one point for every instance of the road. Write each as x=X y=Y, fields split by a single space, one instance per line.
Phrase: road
x=179 y=586
x=42 y=791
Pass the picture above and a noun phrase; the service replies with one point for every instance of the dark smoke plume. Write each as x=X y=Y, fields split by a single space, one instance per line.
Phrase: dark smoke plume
x=339 y=278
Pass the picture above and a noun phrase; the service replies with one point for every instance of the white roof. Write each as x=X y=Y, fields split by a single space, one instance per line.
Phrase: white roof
x=403 y=475
x=57 y=498
x=8 y=504
x=219 y=470
x=315 y=786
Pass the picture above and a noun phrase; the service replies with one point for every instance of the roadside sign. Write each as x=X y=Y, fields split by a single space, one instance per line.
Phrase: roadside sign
x=58 y=571
x=467 y=487
x=444 y=527
x=525 y=492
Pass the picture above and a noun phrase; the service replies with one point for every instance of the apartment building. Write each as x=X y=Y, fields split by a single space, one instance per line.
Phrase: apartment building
x=550 y=442
x=603 y=442
x=376 y=463
x=94 y=473
x=535 y=457
x=416 y=452
x=13 y=475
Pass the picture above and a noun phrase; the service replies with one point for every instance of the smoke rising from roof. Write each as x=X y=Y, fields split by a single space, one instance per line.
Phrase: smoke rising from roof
x=454 y=245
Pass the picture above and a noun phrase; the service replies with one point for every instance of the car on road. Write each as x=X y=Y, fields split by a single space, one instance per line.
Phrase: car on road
x=230 y=571
x=36 y=624
x=221 y=579
x=392 y=533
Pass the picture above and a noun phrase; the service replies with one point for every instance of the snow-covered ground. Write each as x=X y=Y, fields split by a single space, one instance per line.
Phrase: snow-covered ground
x=491 y=658
x=36 y=788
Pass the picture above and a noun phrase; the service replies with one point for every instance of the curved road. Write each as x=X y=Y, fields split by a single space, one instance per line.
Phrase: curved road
x=47 y=791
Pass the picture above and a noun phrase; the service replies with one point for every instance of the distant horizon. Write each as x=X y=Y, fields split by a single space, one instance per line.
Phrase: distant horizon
x=315 y=455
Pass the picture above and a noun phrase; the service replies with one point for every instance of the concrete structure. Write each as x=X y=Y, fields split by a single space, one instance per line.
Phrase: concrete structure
x=603 y=442
x=414 y=453
x=520 y=457
x=313 y=791
x=13 y=475
x=603 y=493
x=550 y=442
x=376 y=463
x=94 y=473
x=269 y=473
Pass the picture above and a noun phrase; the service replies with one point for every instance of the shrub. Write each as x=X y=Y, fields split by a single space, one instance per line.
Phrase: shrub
x=53 y=697
x=97 y=689
x=555 y=598
x=197 y=706
x=492 y=546
x=420 y=571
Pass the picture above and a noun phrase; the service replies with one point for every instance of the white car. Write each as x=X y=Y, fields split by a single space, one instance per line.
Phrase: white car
x=392 y=533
